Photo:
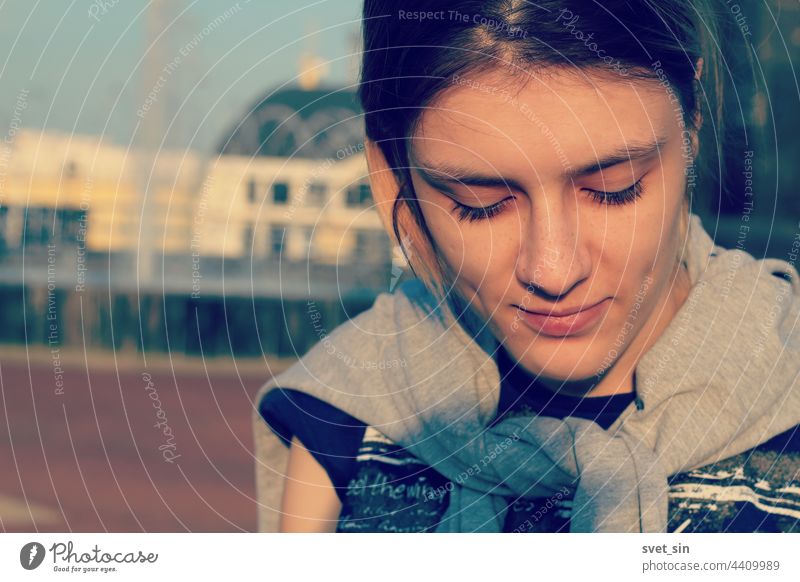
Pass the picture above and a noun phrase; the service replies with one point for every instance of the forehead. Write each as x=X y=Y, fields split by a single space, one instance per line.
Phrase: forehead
x=550 y=121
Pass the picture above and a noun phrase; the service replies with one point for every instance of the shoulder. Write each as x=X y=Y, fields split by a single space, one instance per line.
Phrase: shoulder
x=331 y=435
x=288 y=411
x=779 y=452
x=343 y=355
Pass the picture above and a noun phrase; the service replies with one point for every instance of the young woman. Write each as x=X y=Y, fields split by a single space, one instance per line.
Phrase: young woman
x=576 y=353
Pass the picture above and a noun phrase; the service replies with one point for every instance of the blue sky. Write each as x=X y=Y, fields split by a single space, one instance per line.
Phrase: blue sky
x=81 y=66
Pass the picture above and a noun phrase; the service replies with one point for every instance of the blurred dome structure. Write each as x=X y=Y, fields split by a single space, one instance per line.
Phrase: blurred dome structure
x=297 y=122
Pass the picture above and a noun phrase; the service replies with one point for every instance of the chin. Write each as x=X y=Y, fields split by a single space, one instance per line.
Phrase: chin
x=572 y=363
x=568 y=372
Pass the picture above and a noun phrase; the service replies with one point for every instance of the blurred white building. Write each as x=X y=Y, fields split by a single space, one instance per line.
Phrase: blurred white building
x=289 y=183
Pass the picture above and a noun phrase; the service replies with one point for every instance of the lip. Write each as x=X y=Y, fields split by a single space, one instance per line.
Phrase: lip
x=565 y=323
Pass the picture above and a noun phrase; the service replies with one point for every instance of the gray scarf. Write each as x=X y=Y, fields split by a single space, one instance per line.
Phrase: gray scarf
x=723 y=378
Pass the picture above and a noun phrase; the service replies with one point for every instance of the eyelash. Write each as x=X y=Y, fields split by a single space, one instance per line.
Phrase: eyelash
x=473 y=213
x=618 y=198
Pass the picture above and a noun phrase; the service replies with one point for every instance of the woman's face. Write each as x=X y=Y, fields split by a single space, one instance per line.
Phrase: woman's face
x=556 y=196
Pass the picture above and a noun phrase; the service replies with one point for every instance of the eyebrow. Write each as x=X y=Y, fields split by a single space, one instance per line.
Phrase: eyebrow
x=441 y=175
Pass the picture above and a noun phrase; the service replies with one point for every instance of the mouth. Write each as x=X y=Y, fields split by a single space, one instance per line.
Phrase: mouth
x=563 y=323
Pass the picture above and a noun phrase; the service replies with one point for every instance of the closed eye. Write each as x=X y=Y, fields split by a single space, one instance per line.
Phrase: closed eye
x=625 y=196
x=473 y=213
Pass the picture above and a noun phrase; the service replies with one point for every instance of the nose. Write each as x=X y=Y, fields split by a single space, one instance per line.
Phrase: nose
x=553 y=257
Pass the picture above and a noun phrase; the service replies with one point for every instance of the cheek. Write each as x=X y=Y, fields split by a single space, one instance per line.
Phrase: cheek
x=658 y=230
x=645 y=239
x=644 y=249
x=636 y=247
x=481 y=254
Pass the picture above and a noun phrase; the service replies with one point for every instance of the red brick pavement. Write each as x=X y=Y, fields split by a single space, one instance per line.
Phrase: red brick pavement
x=89 y=460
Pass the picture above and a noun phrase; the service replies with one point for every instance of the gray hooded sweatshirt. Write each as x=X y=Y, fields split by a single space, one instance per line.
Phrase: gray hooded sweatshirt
x=722 y=378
